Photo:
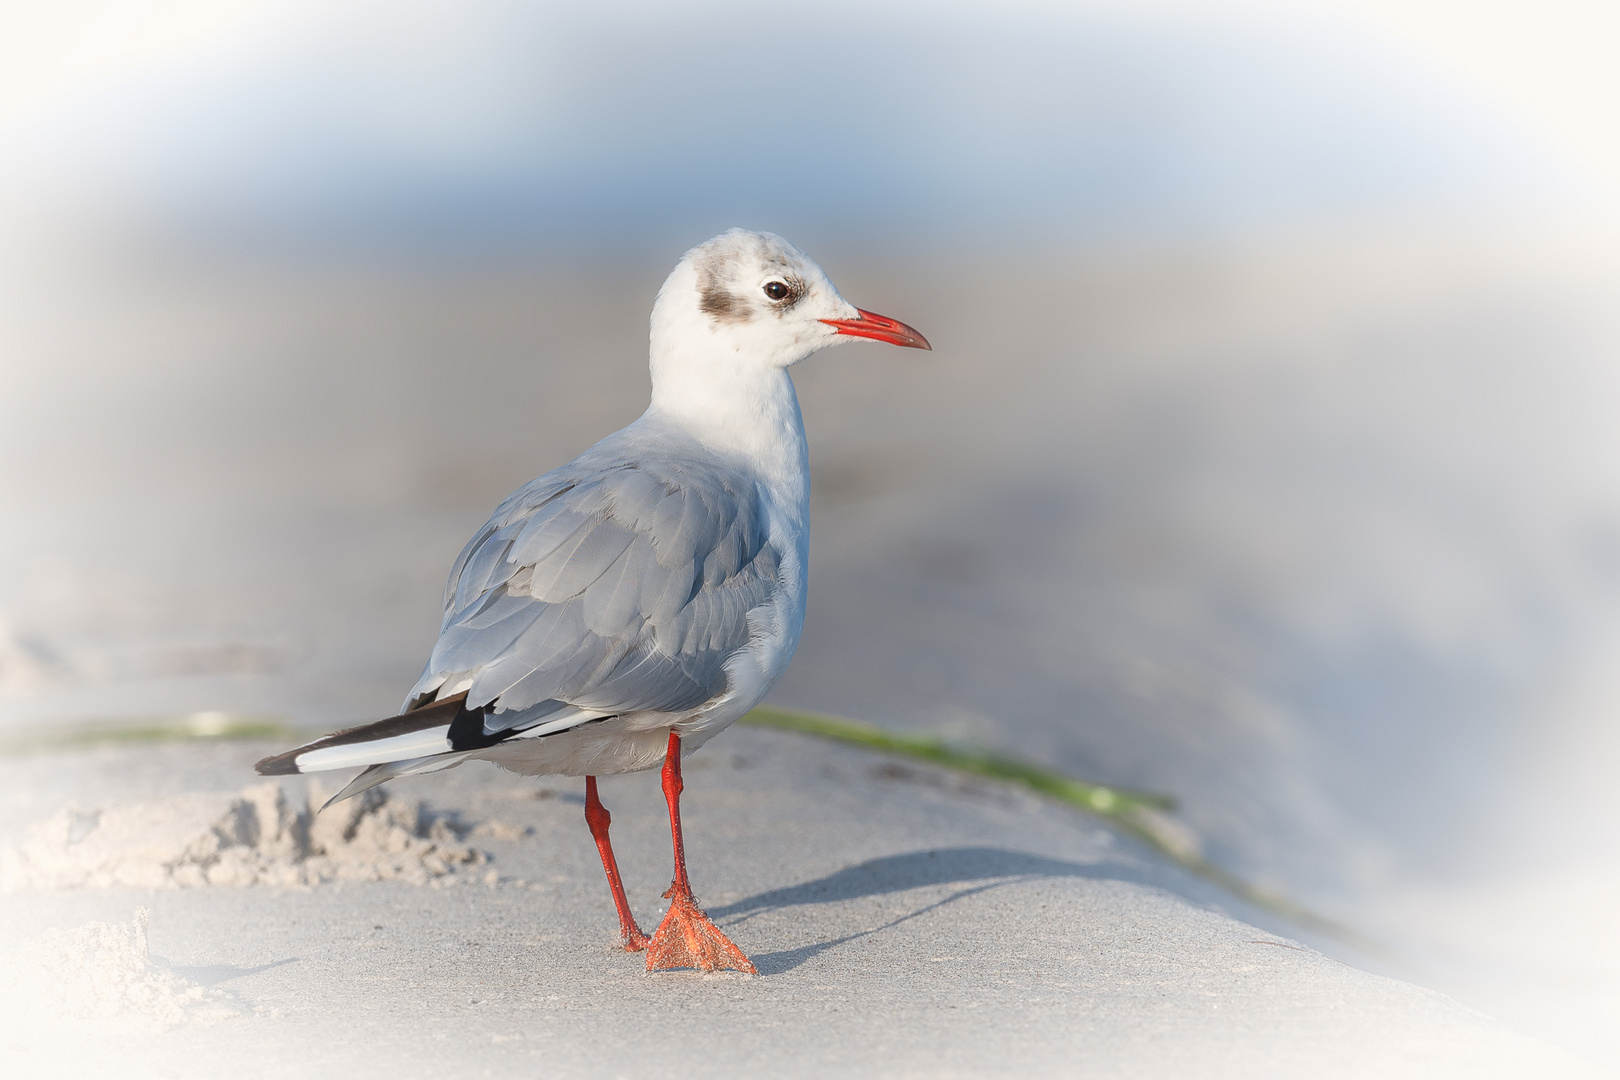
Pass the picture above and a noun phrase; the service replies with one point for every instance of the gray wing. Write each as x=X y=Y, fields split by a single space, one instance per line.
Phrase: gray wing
x=611 y=588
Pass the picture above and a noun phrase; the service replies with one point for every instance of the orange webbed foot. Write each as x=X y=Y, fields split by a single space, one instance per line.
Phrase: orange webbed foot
x=687 y=938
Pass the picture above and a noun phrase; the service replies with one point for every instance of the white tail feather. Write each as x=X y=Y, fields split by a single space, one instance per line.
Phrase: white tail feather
x=410 y=746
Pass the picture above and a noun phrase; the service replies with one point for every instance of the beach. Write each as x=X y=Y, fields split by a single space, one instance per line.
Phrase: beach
x=904 y=924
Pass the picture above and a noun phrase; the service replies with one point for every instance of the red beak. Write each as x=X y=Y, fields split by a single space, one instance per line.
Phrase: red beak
x=880 y=328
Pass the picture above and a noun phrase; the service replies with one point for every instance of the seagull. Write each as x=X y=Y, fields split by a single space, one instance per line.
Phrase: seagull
x=624 y=609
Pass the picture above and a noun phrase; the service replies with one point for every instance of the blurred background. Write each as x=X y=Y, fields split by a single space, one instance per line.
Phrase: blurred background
x=1267 y=457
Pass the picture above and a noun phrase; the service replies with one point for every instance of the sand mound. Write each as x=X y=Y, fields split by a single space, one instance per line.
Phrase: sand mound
x=253 y=837
x=102 y=971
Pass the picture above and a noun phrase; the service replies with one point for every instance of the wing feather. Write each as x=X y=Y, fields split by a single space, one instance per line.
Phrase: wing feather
x=613 y=602
x=546 y=532
x=579 y=562
x=635 y=495
x=479 y=575
x=613 y=586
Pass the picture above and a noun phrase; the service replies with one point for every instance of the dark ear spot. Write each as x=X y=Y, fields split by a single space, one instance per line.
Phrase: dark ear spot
x=718 y=301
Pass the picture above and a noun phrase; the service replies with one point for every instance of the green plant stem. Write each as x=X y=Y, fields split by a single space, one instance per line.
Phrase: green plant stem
x=187 y=728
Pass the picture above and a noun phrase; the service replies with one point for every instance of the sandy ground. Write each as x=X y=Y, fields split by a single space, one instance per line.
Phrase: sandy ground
x=904 y=922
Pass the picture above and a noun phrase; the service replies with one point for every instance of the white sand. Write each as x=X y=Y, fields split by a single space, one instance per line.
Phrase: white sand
x=101 y=974
x=256 y=837
x=904 y=923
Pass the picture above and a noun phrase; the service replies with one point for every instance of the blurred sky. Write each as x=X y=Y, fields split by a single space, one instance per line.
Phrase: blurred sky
x=492 y=123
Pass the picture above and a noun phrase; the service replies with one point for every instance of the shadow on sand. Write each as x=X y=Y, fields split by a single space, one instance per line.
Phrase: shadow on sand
x=978 y=869
x=214 y=974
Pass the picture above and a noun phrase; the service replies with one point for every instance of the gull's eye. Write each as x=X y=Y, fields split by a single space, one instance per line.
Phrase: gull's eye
x=776 y=290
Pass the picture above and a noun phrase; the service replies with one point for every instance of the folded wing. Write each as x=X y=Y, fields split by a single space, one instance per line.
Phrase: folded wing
x=596 y=590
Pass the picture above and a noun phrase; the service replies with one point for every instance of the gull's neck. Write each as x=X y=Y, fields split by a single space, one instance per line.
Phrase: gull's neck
x=738 y=408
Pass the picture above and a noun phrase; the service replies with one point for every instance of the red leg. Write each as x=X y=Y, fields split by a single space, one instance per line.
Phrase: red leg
x=597 y=817
x=687 y=938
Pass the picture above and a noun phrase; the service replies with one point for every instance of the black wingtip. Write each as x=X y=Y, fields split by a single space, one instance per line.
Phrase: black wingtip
x=279 y=764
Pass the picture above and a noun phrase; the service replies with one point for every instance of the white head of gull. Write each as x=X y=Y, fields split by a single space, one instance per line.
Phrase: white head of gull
x=627 y=607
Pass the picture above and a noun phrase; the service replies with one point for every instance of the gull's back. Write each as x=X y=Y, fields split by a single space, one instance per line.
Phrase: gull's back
x=618 y=583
